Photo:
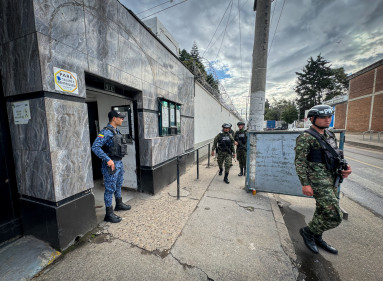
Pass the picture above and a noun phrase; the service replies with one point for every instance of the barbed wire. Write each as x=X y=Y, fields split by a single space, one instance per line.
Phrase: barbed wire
x=221 y=95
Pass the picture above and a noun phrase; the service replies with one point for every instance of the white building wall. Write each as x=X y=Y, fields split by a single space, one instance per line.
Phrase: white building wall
x=209 y=116
x=163 y=34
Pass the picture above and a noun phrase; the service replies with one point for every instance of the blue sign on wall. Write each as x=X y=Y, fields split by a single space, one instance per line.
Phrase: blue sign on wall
x=333 y=118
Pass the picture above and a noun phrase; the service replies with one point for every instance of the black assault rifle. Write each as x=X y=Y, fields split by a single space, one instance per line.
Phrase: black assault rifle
x=341 y=163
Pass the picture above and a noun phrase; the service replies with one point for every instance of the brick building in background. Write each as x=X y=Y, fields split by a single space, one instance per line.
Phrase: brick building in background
x=364 y=109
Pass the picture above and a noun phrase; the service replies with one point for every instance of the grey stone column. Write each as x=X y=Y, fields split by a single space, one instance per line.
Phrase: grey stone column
x=51 y=148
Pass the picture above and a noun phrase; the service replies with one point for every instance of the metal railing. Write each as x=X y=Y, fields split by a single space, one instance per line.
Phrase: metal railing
x=197 y=163
x=379 y=134
x=371 y=132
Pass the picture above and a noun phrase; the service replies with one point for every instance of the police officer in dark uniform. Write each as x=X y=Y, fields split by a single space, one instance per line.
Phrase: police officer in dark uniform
x=240 y=139
x=320 y=167
x=110 y=147
x=224 y=143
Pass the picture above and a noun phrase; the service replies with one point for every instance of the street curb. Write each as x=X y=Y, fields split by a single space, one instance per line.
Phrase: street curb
x=284 y=237
x=366 y=145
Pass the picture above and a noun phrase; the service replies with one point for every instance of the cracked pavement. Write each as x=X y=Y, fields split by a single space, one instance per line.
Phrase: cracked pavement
x=216 y=231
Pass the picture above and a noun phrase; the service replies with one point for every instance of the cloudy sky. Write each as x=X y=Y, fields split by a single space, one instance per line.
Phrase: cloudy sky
x=348 y=33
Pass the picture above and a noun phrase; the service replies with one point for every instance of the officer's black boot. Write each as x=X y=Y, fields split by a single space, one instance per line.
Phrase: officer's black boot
x=241 y=172
x=321 y=243
x=121 y=206
x=220 y=171
x=110 y=216
x=225 y=179
x=308 y=237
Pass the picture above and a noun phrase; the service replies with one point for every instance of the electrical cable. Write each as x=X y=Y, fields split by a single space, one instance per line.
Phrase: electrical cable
x=240 y=36
x=223 y=37
x=230 y=23
x=272 y=14
x=275 y=31
x=164 y=9
x=208 y=45
x=154 y=7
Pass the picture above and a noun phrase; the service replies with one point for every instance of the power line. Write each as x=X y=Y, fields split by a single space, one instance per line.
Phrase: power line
x=272 y=14
x=275 y=31
x=154 y=7
x=208 y=45
x=164 y=9
x=240 y=36
x=230 y=23
x=223 y=37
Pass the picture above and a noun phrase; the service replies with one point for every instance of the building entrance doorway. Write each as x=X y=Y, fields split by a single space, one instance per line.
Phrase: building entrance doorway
x=99 y=104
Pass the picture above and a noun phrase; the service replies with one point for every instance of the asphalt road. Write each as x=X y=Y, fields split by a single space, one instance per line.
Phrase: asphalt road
x=358 y=239
x=365 y=185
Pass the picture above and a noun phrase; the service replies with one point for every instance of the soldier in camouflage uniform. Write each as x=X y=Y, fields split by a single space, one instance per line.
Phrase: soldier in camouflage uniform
x=240 y=139
x=106 y=146
x=224 y=143
x=318 y=178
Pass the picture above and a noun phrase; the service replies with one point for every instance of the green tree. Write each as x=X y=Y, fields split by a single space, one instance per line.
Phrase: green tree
x=282 y=109
x=195 y=52
x=212 y=81
x=289 y=113
x=193 y=62
x=318 y=82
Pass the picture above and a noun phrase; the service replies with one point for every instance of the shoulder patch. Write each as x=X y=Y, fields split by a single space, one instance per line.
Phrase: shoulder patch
x=100 y=135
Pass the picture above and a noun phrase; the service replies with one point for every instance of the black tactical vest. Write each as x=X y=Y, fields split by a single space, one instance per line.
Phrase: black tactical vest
x=242 y=139
x=119 y=147
x=323 y=155
x=224 y=144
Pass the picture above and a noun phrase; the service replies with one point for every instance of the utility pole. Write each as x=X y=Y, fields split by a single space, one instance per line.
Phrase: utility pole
x=258 y=77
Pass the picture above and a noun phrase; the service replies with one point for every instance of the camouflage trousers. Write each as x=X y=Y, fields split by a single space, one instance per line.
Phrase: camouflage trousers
x=224 y=157
x=327 y=214
x=241 y=157
x=112 y=182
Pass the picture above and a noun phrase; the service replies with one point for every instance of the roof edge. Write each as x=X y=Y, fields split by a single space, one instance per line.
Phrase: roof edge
x=366 y=69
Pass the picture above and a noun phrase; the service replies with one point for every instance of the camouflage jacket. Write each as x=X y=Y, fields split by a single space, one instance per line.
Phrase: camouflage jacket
x=218 y=138
x=310 y=173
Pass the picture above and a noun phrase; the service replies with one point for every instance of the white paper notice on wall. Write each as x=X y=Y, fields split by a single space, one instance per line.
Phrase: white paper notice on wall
x=65 y=81
x=21 y=112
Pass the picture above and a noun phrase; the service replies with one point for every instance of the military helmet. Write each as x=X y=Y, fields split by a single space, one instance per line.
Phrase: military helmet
x=226 y=125
x=240 y=123
x=321 y=110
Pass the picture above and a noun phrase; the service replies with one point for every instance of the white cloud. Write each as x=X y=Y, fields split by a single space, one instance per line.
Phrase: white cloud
x=348 y=33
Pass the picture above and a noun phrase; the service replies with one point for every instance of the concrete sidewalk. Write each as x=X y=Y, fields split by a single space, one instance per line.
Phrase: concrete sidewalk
x=356 y=139
x=215 y=232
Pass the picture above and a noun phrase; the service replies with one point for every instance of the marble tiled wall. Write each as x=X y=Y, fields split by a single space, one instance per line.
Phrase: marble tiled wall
x=20 y=66
x=68 y=133
x=31 y=152
x=16 y=19
x=51 y=152
x=99 y=37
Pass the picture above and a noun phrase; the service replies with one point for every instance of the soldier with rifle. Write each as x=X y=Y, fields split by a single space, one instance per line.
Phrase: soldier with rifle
x=224 y=143
x=320 y=167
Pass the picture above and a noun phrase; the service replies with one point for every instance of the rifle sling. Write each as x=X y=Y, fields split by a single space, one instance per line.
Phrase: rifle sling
x=323 y=142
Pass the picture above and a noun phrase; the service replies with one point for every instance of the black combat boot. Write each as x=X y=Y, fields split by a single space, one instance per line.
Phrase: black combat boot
x=110 y=216
x=308 y=237
x=321 y=243
x=241 y=172
x=220 y=171
x=121 y=206
x=225 y=179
